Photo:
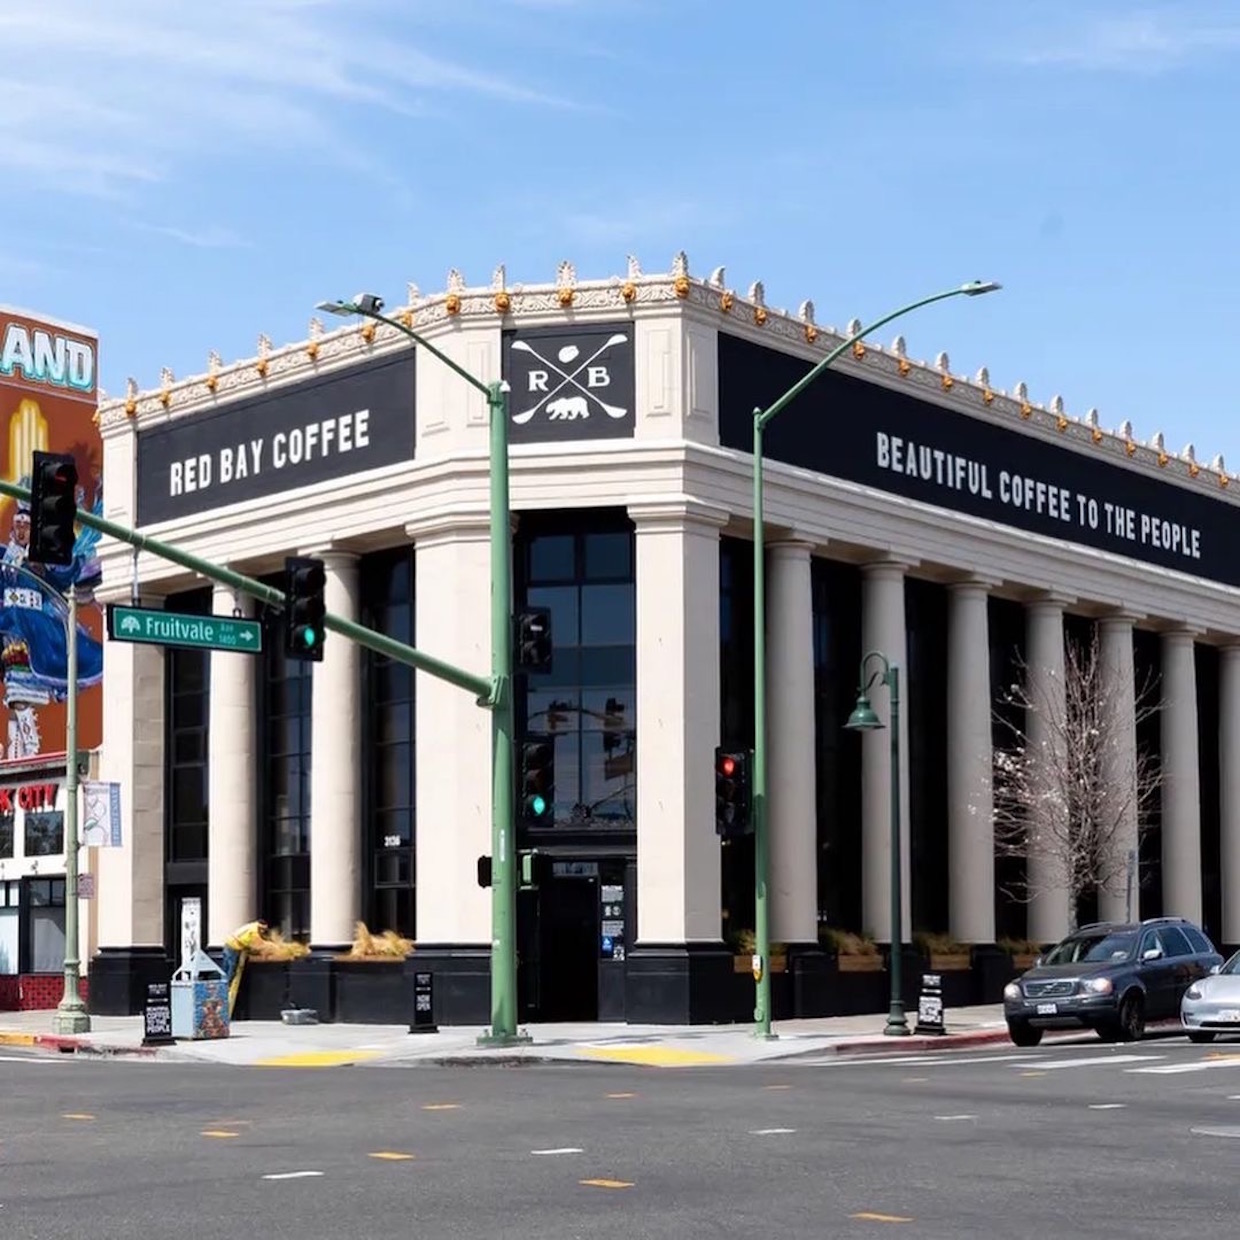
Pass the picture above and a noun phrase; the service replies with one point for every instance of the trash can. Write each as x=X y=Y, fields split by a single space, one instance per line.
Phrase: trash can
x=200 y=1000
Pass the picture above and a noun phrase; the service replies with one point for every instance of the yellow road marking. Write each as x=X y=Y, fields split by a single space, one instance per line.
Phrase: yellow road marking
x=777 y=1086
x=391 y=1156
x=915 y=1080
x=869 y=1216
x=316 y=1059
x=607 y=1183
x=13 y=1038
x=1222 y=1057
x=219 y=1132
x=655 y=1056
x=1033 y=1074
x=77 y=1115
x=622 y=1095
x=442 y=1106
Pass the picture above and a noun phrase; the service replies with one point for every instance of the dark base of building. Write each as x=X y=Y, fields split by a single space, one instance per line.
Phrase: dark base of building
x=657 y=984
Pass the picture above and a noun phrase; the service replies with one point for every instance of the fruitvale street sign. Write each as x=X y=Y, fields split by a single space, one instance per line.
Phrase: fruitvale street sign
x=169 y=628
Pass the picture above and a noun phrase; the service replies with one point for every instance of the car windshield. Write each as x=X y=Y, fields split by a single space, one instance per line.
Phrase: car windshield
x=1232 y=966
x=1091 y=947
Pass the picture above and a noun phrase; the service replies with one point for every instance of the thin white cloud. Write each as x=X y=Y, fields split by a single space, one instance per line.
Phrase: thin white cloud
x=1148 y=42
x=134 y=88
x=209 y=238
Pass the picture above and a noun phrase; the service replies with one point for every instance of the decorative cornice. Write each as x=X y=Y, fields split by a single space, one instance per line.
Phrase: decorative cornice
x=567 y=298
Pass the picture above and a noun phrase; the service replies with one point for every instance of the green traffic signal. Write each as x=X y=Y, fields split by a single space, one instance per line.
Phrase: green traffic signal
x=538 y=806
x=309 y=637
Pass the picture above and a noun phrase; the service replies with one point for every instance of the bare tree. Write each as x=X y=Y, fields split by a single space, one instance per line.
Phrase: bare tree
x=1064 y=782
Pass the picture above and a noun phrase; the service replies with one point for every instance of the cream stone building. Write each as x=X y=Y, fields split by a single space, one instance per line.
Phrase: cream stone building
x=955 y=527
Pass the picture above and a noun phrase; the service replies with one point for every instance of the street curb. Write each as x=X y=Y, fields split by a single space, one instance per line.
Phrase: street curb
x=66 y=1044
x=899 y=1046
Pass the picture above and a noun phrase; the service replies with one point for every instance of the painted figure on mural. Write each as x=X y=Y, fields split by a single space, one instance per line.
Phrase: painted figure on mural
x=34 y=660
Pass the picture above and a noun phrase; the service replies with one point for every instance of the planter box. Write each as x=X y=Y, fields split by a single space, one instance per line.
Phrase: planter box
x=860 y=964
x=263 y=991
x=1023 y=960
x=372 y=992
x=744 y=964
x=949 y=963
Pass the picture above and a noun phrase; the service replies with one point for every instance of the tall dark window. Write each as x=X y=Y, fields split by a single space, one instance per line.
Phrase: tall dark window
x=837 y=657
x=1208 y=672
x=1147 y=664
x=285 y=689
x=736 y=723
x=926 y=620
x=187 y=680
x=1007 y=673
x=387 y=588
x=588 y=702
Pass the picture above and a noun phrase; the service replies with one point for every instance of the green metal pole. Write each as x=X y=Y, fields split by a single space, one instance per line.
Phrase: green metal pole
x=71 y=1015
x=896 y=1025
x=761 y=838
x=503 y=1029
x=762 y=1001
x=480 y=686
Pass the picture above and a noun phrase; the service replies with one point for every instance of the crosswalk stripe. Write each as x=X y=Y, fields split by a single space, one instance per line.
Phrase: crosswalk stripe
x=1094 y=1060
x=1172 y=1069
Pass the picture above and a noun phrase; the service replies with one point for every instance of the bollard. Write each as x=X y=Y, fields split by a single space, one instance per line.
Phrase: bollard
x=930 y=1005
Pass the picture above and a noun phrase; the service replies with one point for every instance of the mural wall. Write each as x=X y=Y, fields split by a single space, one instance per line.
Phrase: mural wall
x=48 y=398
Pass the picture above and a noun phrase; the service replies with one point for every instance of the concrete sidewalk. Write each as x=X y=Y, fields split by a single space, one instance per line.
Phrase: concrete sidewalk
x=271 y=1044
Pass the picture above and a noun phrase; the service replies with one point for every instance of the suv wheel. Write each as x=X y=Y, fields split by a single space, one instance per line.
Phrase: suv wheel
x=1023 y=1033
x=1130 y=1025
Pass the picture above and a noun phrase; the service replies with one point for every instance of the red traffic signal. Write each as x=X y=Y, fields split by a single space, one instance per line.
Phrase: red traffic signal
x=53 y=508
x=727 y=765
x=733 y=796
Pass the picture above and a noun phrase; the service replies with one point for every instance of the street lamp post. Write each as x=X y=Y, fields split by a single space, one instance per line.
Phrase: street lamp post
x=863 y=719
x=761 y=417
x=503 y=1029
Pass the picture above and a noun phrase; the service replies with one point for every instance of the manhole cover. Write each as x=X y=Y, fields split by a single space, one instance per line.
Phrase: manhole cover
x=1222 y=1130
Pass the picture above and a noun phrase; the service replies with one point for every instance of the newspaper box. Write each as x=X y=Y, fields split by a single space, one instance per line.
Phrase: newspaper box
x=200 y=1000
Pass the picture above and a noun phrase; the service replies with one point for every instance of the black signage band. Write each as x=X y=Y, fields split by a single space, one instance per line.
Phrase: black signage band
x=344 y=423
x=858 y=431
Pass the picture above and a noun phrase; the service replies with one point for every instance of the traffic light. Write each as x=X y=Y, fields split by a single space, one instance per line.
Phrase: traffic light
x=534 y=640
x=537 y=779
x=484 y=871
x=733 y=814
x=53 y=508
x=304 y=608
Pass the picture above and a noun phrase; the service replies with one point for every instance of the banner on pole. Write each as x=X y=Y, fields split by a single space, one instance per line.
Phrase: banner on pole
x=101 y=814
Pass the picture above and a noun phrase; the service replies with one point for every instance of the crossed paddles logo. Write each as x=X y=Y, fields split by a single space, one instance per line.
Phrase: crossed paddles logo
x=576 y=394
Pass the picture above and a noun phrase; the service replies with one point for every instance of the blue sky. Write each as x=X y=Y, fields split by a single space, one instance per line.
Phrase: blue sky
x=184 y=176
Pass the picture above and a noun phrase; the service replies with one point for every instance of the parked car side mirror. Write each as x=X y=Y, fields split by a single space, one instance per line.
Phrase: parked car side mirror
x=1215 y=968
x=1152 y=953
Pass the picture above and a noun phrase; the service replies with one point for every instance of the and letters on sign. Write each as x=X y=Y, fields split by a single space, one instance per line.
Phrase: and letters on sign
x=334 y=426
x=28 y=796
x=904 y=444
x=574 y=384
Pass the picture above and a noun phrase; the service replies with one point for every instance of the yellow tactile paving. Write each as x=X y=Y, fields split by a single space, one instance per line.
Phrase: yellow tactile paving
x=656 y=1056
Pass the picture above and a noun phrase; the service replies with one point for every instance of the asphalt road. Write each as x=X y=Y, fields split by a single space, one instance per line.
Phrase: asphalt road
x=1082 y=1141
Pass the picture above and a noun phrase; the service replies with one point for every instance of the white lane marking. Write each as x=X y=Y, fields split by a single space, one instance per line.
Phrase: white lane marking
x=1093 y=1060
x=955 y=1117
x=292 y=1175
x=1174 y=1069
x=769 y=1132
x=42 y=1063
x=565 y=1149
x=933 y=1057
x=1107 y=1106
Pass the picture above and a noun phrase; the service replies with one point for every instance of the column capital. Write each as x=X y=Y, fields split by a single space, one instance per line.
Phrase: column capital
x=450 y=524
x=1181 y=634
x=1230 y=650
x=888 y=566
x=675 y=512
x=792 y=547
x=1121 y=619
x=1050 y=600
x=332 y=556
x=975 y=583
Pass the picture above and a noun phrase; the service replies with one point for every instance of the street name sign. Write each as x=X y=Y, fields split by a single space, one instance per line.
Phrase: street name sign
x=169 y=628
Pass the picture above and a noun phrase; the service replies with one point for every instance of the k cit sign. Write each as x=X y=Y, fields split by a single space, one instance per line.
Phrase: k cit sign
x=28 y=796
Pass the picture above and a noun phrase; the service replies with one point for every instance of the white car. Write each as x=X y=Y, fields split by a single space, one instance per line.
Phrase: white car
x=1211 y=1005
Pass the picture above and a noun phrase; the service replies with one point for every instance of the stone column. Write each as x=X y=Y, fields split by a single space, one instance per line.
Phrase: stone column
x=883 y=629
x=970 y=749
x=677 y=722
x=232 y=748
x=792 y=789
x=335 y=769
x=453 y=573
x=1181 y=787
x=1229 y=790
x=1119 y=764
x=1048 y=914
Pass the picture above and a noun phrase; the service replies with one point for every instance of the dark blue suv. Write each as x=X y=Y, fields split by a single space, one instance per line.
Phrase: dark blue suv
x=1112 y=977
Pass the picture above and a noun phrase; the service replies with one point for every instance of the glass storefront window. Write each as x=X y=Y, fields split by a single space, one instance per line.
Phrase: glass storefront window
x=6 y=836
x=44 y=834
x=45 y=911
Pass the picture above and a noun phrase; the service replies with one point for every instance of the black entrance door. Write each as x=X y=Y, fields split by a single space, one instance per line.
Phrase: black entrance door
x=565 y=987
